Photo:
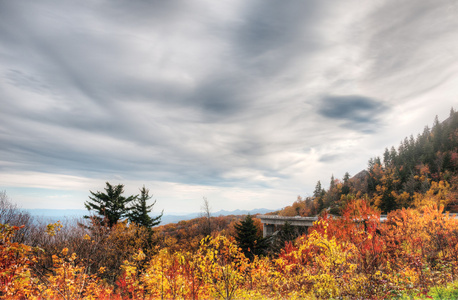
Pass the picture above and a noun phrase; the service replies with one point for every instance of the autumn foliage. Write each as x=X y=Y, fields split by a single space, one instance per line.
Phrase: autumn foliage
x=352 y=257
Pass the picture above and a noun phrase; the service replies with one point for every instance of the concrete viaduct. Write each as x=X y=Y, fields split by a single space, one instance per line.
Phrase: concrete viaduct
x=272 y=223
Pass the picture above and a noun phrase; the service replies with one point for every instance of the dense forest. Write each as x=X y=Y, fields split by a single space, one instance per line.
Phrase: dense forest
x=120 y=252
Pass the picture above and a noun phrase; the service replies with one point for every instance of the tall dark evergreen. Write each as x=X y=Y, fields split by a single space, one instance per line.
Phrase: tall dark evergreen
x=110 y=206
x=333 y=194
x=346 y=184
x=387 y=158
x=139 y=212
x=248 y=239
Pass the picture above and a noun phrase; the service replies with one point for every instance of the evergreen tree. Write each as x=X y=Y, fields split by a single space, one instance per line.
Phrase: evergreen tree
x=248 y=239
x=333 y=194
x=332 y=184
x=110 y=206
x=377 y=161
x=393 y=155
x=346 y=184
x=386 y=158
x=318 y=194
x=437 y=132
x=139 y=212
x=287 y=233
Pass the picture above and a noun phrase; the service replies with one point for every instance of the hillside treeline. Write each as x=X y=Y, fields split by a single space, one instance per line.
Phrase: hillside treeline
x=407 y=176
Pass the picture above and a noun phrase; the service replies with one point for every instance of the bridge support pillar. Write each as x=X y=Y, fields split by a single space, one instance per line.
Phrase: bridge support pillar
x=268 y=229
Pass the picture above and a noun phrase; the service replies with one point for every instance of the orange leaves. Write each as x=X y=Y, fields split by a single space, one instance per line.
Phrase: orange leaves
x=69 y=279
x=15 y=278
x=423 y=241
x=354 y=256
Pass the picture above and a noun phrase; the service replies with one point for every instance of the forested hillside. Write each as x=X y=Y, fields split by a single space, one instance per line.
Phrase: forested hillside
x=407 y=176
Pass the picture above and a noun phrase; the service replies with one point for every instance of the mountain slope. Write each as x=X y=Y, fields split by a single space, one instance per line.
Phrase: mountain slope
x=421 y=171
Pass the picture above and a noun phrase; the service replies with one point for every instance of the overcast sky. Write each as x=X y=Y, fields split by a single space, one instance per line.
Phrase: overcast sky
x=246 y=103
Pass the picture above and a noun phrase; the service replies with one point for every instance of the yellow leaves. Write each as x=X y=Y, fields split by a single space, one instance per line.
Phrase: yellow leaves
x=53 y=228
x=408 y=252
x=320 y=265
x=139 y=256
x=223 y=265
x=438 y=194
x=68 y=279
x=73 y=257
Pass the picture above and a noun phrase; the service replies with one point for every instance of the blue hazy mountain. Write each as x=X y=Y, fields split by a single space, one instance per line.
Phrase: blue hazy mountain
x=58 y=214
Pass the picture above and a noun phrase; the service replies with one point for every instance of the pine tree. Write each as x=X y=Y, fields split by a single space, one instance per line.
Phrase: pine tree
x=386 y=158
x=437 y=132
x=248 y=239
x=139 y=212
x=346 y=184
x=110 y=206
x=333 y=194
x=318 y=194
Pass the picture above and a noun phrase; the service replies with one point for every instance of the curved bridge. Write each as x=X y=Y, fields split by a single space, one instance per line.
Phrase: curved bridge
x=272 y=223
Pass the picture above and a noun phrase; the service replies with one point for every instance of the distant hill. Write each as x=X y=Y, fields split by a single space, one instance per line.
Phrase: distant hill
x=167 y=219
x=59 y=214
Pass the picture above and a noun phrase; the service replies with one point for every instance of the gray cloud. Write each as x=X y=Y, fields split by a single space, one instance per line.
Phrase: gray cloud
x=25 y=81
x=359 y=112
x=330 y=158
x=273 y=35
x=408 y=42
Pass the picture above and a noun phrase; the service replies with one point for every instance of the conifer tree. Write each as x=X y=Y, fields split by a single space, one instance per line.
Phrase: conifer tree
x=110 y=206
x=346 y=184
x=248 y=239
x=386 y=158
x=139 y=212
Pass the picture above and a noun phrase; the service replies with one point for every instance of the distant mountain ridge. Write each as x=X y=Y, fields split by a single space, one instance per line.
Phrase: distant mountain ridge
x=56 y=214
x=167 y=219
